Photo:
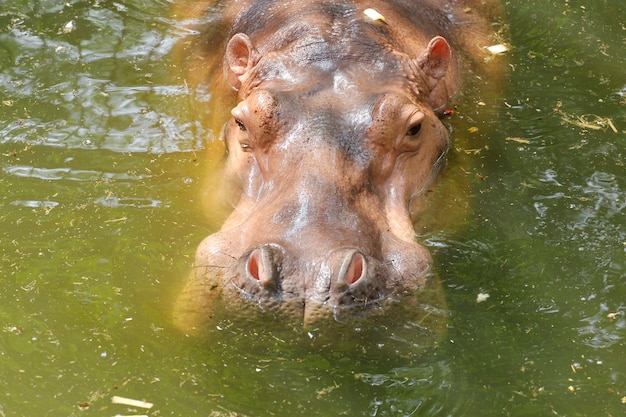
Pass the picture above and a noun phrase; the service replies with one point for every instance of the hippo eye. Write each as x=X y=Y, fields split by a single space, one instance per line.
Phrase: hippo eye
x=415 y=123
x=414 y=130
x=240 y=125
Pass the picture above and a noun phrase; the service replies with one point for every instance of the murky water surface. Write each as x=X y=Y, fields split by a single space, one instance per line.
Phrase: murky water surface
x=102 y=155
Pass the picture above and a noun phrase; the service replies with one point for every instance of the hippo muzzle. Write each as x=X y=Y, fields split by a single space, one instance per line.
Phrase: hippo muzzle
x=308 y=259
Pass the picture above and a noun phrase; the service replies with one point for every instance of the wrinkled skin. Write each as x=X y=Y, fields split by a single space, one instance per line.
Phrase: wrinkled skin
x=335 y=133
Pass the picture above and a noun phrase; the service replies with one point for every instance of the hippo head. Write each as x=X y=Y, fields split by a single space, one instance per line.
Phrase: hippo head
x=331 y=140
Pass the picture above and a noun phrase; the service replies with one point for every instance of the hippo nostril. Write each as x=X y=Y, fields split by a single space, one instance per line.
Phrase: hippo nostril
x=262 y=265
x=255 y=264
x=354 y=268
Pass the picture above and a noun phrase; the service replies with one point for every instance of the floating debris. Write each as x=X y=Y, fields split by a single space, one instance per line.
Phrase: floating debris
x=374 y=15
x=498 y=49
x=613 y=316
x=519 y=140
x=482 y=297
x=129 y=401
x=576 y=367
x=69 y=27
x=320 y=393
x=588 y=121
x=119 y=219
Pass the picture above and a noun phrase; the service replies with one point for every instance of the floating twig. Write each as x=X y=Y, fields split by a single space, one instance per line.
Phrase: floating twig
x=129 y=401
x=588 y=121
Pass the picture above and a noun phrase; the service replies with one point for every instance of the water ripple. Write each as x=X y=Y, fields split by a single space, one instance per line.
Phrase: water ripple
x=69 y=174
x=122 y=93
x=116 y=202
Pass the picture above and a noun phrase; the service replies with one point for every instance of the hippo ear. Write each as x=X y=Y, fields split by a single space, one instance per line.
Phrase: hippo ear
x=239 y=60
x=434 y=64
x=435 y=60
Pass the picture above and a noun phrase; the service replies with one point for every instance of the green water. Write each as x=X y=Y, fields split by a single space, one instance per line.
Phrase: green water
x=102 y=155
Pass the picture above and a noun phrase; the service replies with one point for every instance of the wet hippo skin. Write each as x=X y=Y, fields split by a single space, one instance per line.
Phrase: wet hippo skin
x=335 y=131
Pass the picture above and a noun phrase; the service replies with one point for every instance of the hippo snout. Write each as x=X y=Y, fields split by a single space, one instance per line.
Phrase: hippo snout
x=270 y=272
x=263 y=265
x=307 y=282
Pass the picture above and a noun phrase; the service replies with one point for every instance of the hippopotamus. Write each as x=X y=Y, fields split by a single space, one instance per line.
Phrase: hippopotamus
x=334 y=134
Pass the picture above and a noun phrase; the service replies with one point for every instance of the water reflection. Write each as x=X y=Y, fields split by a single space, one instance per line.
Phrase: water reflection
x=93 y=78
x=69 y=174
x=603 y=188
x=114 y=201
x=604 y=329
x=46 y=205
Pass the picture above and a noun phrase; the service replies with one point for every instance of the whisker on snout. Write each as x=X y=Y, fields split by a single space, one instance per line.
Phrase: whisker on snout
x=210 y=266
x=229 y=255
x=233 y=258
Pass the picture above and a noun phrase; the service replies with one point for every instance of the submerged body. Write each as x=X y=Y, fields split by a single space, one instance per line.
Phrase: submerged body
x=334 y=134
